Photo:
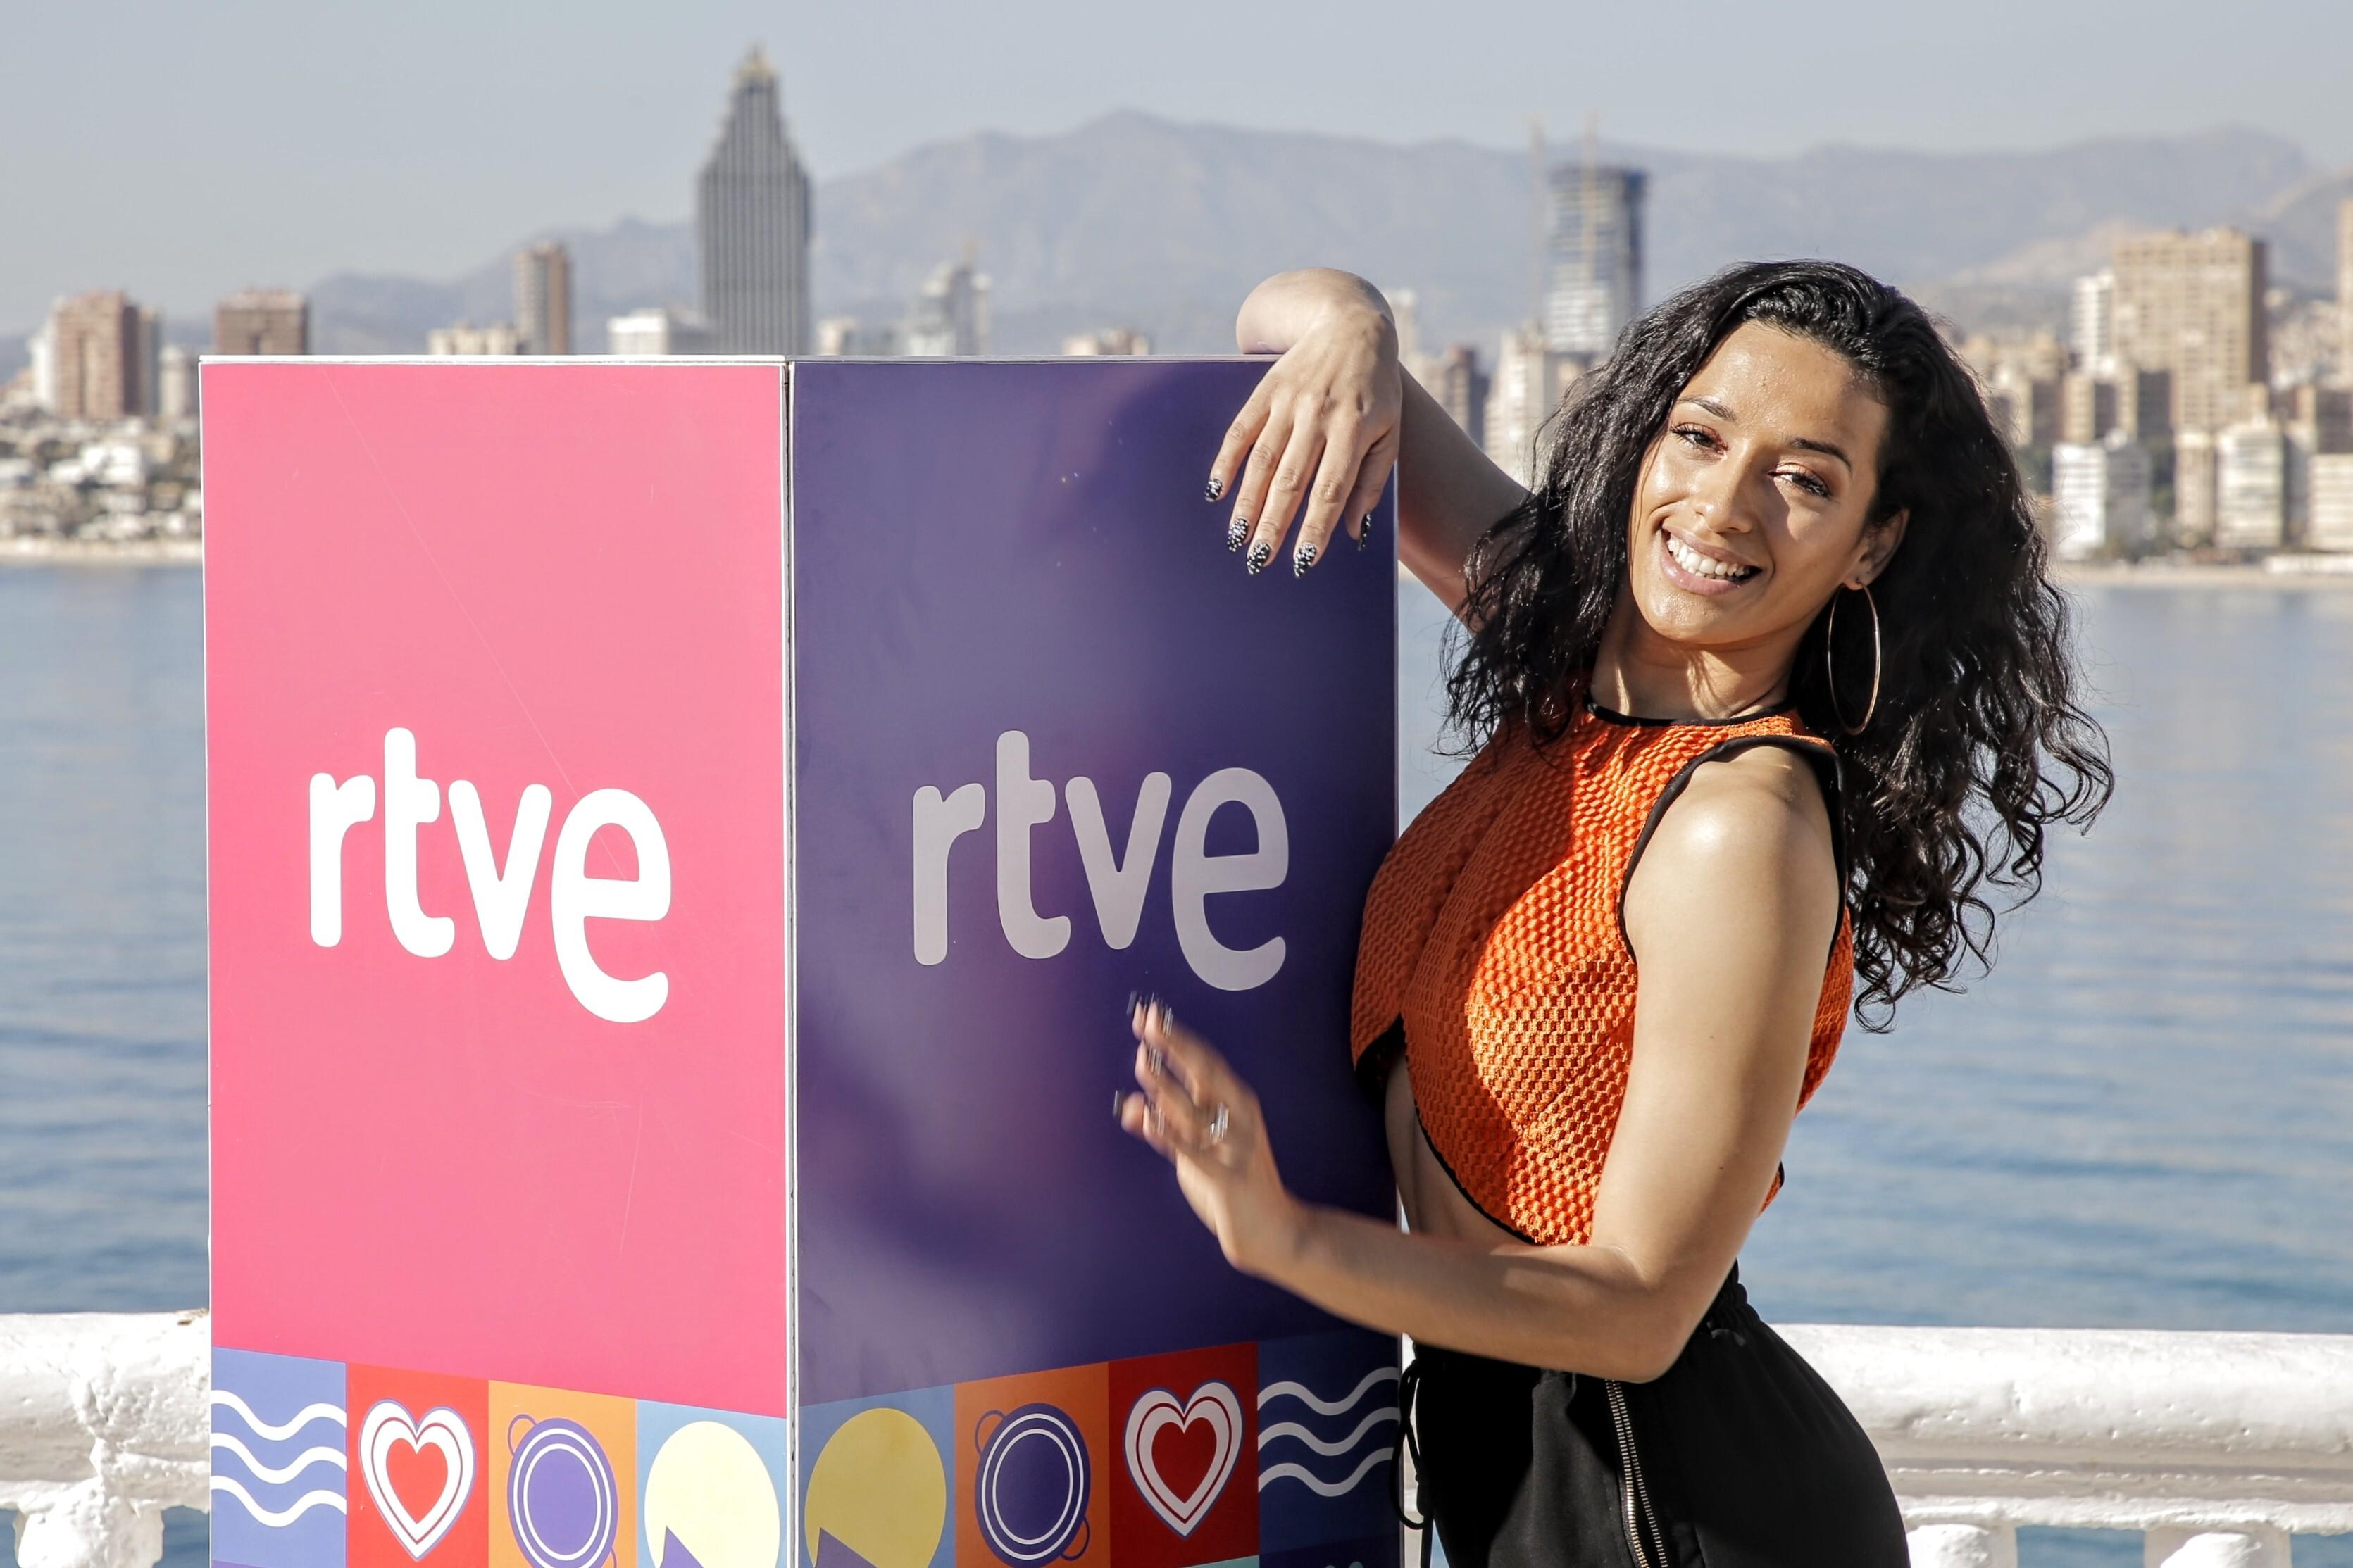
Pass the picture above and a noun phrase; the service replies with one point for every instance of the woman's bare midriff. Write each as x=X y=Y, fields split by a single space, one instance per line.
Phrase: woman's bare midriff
x=1434 y=1206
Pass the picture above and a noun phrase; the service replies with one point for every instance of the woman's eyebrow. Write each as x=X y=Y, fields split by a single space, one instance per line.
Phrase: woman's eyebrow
x=1803 y=443
x=1806 y=443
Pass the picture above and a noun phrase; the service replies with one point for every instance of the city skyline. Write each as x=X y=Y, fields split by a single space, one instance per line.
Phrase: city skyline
x=598 y=130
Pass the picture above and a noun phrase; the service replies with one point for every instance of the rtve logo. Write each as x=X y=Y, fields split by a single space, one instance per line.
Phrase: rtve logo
x=501 y=896
x=1118 y=883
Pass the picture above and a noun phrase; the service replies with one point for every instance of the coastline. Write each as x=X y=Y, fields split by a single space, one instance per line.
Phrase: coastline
x=2323 y=572
x=34 y=550
x=2292 y=571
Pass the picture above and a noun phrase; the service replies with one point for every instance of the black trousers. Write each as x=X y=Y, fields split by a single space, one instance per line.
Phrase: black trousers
x=1741 y=1456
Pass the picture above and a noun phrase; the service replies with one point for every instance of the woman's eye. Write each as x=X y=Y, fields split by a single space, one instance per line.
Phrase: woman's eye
x=1697 y=437
x=1806 y=481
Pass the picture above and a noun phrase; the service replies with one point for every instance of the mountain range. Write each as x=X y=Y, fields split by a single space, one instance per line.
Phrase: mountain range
x=1134 y=220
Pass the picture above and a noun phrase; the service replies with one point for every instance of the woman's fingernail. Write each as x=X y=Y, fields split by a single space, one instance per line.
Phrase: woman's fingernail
x=1215 y=488
x=1135 y=1000
x=1118 y=1106
x=1365 y=534
x=1302 y=559
x=1260 y=553
x=1237 y=533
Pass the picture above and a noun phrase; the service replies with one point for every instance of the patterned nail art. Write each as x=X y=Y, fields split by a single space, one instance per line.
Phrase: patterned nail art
x=1365 y=534
x=1301 y=560
x=1237 y=533
x=1215 y=488
x=1260 y=553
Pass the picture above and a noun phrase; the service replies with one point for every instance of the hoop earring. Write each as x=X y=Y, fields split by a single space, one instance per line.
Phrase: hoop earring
x=1830 y=675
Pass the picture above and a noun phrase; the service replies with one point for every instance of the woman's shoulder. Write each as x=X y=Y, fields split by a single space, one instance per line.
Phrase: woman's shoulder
x=1749 y=835
x=1755 y=799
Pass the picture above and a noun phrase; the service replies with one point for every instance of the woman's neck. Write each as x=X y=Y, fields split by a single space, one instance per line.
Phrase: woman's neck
x=1644 y=676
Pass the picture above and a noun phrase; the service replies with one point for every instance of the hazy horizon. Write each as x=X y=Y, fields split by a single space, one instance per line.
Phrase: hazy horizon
x=269 y=142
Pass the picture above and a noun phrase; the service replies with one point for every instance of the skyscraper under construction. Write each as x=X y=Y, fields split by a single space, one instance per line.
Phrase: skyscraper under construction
x=751 y=224
x=1593 y=255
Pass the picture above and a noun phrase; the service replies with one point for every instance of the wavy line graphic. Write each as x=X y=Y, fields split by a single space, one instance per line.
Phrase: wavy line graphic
x=1282 y=1430
x=275 y=1518
x=1301 y=1392
x=1321 y=1488
x=292 y=1467
x=223 y=1399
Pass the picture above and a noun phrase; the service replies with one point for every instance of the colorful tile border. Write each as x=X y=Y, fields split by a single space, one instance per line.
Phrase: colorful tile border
x=1277 y=1455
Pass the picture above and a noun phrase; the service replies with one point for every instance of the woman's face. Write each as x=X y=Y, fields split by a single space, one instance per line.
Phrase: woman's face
x=1752 y=506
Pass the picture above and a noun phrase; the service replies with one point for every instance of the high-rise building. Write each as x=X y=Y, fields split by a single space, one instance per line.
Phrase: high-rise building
x=2101 y=489
x=176 y=383
x=2031 y=406
x=951 y=315
x=1110 y=341
x=2092 y=323
x=1530 y=380
x=147 y=355
x=98 y=342
x=1405 y=314
x=41 y=349
x=2193 y=487
x=542 y=291
x=2250 y=486
x=752 y=223
x=849 y=335
x=262 y=321
x=2345 y=289
x=2144 y=404
x=2193 y=304
x=2087 y=408
x=1462 y=389
x=657 y=330
x=2317 y=421
x=2328 y=523
x=467 y=340
x=1593 y=256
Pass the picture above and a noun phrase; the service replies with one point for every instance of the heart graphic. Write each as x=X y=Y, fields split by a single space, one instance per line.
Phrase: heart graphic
x=1213 y=1404
x=389 y=1425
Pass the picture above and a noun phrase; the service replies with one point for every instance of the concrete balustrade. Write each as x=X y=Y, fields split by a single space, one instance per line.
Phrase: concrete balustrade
x=103 y=1425
x=2217 y=1446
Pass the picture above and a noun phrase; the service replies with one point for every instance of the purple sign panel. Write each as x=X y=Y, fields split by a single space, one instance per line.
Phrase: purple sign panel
x=1051 y=744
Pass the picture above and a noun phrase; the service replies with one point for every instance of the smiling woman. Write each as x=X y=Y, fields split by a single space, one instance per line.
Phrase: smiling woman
x=1602 y=972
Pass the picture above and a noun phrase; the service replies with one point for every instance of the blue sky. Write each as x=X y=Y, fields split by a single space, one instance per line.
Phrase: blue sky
x=183 y=149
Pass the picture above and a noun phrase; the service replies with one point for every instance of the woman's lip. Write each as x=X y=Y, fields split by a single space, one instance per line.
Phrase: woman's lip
x=1698 y=549
x=1691 y=582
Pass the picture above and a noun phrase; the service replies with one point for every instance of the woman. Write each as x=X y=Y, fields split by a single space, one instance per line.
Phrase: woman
x=1770 y=681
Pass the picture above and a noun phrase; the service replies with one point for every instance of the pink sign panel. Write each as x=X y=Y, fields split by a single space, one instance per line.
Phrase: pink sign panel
x=494 y=676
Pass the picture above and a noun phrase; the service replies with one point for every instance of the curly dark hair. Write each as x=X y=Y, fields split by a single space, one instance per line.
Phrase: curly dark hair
x=1978 y=743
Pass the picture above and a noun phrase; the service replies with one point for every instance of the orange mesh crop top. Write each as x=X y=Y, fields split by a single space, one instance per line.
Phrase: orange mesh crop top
x=1493 y=934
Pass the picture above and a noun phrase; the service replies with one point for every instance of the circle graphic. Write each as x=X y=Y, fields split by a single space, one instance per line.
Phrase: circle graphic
x=1031 y=1491
x=561 y=1496
x=878 y=1488
x=709 y=1495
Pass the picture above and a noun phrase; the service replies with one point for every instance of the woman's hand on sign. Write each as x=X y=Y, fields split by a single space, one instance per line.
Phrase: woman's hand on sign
x=1321 y=431
x=1207 y=1122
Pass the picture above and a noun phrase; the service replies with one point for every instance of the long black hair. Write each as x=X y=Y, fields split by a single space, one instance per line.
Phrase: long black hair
x=1979 y=741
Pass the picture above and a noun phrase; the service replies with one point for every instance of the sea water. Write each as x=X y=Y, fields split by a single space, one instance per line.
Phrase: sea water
x=2142 y=1117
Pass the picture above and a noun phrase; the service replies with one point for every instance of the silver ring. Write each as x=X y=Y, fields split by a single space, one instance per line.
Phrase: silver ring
x=1218 y=1121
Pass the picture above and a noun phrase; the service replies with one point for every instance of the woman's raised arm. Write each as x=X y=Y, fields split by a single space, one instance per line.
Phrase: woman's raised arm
x=1328 y=421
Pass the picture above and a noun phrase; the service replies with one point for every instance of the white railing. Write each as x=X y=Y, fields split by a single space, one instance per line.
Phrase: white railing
x=2219 y=1447
x=103 y=1426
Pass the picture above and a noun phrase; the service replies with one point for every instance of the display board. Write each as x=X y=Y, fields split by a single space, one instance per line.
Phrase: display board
x=680 y=837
